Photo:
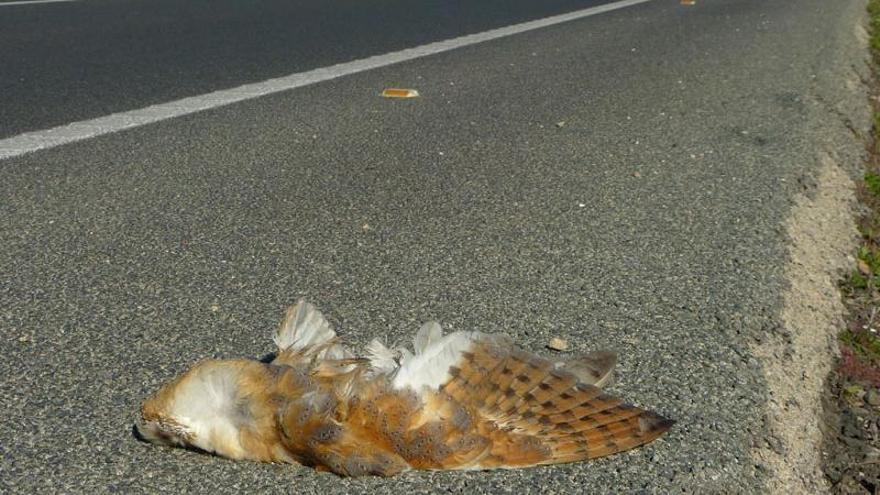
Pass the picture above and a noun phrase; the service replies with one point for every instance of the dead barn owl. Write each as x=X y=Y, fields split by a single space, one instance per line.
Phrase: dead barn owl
x=467 y=400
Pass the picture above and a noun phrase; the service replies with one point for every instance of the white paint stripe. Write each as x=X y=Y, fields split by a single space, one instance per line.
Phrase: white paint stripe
x=78 y=131
x=29 y=2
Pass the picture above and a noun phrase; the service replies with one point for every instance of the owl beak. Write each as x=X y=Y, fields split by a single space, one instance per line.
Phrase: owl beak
x=138 y=431
x=147 y=432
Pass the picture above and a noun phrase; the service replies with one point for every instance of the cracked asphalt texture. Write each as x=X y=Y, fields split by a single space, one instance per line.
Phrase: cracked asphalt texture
x=619 y=181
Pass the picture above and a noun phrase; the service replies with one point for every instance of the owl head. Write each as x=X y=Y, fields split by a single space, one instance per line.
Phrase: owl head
x=202 y=409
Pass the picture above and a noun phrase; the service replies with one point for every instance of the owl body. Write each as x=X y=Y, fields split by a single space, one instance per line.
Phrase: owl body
x=463 y=401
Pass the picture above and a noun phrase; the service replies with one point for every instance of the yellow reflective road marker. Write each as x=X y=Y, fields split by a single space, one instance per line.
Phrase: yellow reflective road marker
x=400 y=93
x=688 y=2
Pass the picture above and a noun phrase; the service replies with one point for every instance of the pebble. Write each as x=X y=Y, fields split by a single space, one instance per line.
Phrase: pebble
x=557 y=344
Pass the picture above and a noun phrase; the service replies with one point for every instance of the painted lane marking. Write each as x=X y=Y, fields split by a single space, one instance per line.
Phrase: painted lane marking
x=29 y=2
x=30 y=142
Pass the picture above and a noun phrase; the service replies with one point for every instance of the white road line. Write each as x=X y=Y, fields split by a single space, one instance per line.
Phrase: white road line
x=28 y=2
x=78 y=131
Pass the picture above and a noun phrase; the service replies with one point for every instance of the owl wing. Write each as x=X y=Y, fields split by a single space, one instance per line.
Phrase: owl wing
x=595 y=368
x=528 y=409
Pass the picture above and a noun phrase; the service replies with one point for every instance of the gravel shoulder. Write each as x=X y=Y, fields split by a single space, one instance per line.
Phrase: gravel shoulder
x=798 y=360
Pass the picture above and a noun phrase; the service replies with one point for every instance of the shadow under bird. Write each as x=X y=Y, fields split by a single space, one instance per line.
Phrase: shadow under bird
x=467 y=400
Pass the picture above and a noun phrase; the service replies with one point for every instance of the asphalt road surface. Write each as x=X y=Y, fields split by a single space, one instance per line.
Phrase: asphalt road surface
x=620 y=181
x=66 y=62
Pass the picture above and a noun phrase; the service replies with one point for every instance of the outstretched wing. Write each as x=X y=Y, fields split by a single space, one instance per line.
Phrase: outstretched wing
x=470 y=401
x=526 y=409
x=543 y=414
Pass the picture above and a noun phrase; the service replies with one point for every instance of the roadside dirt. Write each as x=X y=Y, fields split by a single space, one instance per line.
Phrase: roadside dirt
x=814 y=442
x=822 y=232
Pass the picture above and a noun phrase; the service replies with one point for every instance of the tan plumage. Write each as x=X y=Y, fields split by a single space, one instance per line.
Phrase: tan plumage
x=463 y=401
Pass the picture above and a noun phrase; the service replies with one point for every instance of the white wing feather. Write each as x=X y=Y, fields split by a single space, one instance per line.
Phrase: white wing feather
x=430 y=368
x=427 y=335
x=304 y=326
x=382 y=359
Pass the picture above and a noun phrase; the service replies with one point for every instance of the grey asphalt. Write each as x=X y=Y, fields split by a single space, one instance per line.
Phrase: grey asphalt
x=620 y=181
x=64 y=62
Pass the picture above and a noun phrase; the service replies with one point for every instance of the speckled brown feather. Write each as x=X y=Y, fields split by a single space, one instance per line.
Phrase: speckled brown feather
x=526 y=396
x=502 y=408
